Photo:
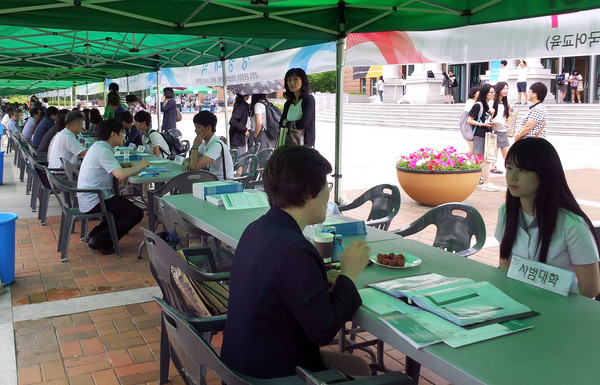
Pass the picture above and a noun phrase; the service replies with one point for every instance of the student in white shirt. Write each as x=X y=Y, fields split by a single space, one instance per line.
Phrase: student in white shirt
x=208 y=151
x=153 y=141
x=541 y=220
x=522 y=81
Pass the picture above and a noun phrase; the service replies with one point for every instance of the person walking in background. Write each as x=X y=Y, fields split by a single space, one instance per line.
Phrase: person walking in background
x=465 y=128
x=501 y=111
x=299 y=108
x=562 y=83
x=534 y=121
x=447 y=84
x=503 y=74
x=238 y=130
x=542 y=221
x=479 y=117
x=453 y=86
x=258 y=118
x=576 y=82
x=169 y=107
x=522 y=82
x=380 y=86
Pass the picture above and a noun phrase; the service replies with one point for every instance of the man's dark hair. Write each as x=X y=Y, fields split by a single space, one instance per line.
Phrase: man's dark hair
x=108 y=126
x=45 y=100
x=113 y=87
x=113 y=99
x=206 y=118
x=503 y=62
x=73 y=116
x=51 y=111
x=126 y=117
x=34 y=111
x=12 y=112
x=143 y=116
x=540 y=90
x=131 y=98
x=293 y=175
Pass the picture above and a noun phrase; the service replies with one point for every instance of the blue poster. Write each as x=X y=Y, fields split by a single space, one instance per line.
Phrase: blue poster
x=495 y=71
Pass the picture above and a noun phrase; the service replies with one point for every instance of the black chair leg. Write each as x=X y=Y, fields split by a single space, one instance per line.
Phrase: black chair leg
x=413 y=368
x=165 y=355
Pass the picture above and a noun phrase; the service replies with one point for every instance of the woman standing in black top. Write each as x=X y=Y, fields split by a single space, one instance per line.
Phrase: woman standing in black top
x=299 y=109
x=238 y=131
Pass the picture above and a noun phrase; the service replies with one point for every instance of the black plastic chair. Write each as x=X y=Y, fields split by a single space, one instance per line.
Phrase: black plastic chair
x=41 y=188
x=71 y=170
x=162 y=257
x=180 y=184
x=385 y=205
x=246 y=167
x=252 y=150
x=235 y=154
x=454 y=232
x=262 y=159
x=71 y=213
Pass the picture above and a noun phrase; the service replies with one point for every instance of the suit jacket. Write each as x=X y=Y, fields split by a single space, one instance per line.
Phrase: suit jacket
x=307 y=121
x=279 y=308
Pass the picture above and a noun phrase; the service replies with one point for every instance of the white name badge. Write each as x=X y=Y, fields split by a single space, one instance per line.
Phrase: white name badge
x=539 y=274
x=141 y=149
x=132 y=146
x=179 y=159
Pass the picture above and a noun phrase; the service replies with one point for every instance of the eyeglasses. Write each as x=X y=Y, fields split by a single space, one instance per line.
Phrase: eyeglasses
x=329 y=186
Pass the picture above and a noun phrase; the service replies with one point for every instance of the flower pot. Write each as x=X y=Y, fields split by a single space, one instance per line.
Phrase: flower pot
x=433 y=188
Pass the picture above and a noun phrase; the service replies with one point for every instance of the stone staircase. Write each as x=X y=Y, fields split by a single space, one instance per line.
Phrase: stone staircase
x=563 y=119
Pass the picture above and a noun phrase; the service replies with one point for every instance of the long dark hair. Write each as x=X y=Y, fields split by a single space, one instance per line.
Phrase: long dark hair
x=304 y=90
x=499 y=87
x=60 y=118
x=483 y=91
x=539 y=156
x=255 y=99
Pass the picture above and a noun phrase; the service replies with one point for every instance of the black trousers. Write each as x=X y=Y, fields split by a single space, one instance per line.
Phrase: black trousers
x=126 y=214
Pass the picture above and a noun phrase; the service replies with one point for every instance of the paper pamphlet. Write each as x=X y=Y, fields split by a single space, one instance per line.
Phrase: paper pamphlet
x=244 y=200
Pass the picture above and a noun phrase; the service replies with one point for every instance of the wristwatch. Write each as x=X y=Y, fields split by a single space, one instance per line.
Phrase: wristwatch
x=195 y=148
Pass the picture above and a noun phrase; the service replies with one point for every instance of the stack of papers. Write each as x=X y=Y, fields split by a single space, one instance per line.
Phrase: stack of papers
x=203 y=189
x=238 y=201
x=461 y=301
x=346 y=226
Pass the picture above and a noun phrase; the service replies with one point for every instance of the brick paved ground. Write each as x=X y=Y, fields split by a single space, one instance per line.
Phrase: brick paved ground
x=120 y=345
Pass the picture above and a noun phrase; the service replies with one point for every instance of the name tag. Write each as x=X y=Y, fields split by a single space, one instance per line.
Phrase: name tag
x=132 y=146
x=541 y=275
x=179 y=159
x=141 y=149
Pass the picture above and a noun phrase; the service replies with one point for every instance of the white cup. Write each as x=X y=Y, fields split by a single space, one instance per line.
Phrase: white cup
x=324 y=245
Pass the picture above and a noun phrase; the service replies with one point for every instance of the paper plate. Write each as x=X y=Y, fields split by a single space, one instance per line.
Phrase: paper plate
x=409 y=261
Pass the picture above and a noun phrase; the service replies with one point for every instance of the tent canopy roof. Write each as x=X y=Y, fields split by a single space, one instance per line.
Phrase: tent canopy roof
x=88 y=40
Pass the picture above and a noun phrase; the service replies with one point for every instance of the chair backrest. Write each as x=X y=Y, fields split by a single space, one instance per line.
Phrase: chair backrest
x=71 y=170
x=235 y=154
x=246 y=167
x=253 y=150
x=263 y=157
x=189 y=351
x=385 y=205
x=454 y=232
x=162 y=257
x=36 y=154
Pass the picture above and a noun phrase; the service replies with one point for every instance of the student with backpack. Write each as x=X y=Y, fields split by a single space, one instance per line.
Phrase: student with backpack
x=153 y=141
x=299 y=109
x=465 y=128
x=259 y=121
x=562 y=83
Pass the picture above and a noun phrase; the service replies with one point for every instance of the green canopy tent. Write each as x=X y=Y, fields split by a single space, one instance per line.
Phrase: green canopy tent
x=142 y=35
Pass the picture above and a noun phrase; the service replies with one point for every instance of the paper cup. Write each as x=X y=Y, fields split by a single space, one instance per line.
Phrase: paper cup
x=324 y=245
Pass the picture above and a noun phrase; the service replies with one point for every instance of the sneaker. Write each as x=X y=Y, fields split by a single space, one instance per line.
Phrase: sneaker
x=496 y=171
x=481 y=181
x=517 y=103
x=490 y=187
x=525 y=103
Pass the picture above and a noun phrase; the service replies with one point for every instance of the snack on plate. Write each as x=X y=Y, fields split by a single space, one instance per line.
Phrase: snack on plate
x=391 y=259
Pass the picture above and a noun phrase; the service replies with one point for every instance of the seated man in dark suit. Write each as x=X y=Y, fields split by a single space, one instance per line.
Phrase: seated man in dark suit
x=280 y=308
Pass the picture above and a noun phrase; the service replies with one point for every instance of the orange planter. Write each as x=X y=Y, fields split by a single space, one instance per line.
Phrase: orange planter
x=432 y=188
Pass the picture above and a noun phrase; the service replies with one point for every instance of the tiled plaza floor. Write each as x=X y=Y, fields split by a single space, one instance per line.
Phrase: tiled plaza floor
x=120 y=344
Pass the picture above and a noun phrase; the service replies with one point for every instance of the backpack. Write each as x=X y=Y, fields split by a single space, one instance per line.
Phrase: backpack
x=273 y=114
x=430 y=74
x=561 y=79
x=175 y=146
x=454 y=83
x=465 y=128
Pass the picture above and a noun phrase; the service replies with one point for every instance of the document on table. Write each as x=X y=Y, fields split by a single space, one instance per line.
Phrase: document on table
x=244 y=200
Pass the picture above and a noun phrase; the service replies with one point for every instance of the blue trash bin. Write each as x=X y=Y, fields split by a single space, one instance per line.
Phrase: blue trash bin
x=7 y=247
x=1 y=165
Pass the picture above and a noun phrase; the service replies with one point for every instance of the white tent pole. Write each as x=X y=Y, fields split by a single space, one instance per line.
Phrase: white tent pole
x=339 y=99
x=71 y=96
x=127 y=84
x=157 y=100
x=105 y=92
x=87 y=96
x=224 y=93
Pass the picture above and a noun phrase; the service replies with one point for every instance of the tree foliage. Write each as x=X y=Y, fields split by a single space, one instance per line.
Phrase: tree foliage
x=322 y=82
